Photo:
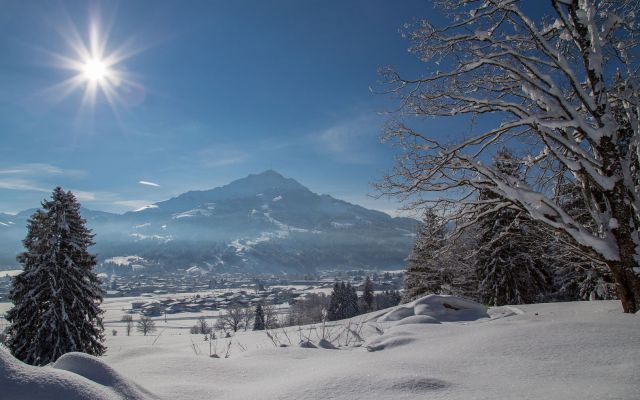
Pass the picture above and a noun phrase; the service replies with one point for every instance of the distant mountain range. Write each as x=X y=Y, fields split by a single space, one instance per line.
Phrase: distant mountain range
x=261 y=223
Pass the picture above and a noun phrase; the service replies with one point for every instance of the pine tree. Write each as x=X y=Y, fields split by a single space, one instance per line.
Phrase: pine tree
x=258 y=320
x=425 y=274
x=56 y=297
x=343 y=303
x=336 y=303
x=576 y=274
x=367 y=294
x=351 y=304
x=509 y=270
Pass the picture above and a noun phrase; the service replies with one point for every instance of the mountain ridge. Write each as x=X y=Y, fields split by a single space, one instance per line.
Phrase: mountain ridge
x=263 y=222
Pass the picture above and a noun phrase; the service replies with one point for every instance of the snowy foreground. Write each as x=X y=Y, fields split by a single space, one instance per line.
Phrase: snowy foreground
x=438 y=347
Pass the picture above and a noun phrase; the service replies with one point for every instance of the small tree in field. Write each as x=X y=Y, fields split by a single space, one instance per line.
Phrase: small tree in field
x=258 y=319
x=128 y=323
x=563 y=88
x=145 y=325
x=367 y=294
x=56 y=297
x=232 y=319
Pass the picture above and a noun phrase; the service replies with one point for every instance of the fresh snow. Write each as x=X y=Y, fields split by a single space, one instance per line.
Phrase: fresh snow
x=73 y=376
x=10 y=272
x=576 y=350
x=124 y=260
x=149 y=206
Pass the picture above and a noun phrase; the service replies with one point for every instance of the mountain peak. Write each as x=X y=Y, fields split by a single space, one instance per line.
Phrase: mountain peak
x=270 y=173
x=268 y=179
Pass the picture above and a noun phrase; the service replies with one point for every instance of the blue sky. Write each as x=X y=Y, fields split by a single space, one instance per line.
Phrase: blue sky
x=219 y=89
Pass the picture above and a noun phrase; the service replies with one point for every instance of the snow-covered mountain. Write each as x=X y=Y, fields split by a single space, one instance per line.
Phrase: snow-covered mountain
x=264 y=222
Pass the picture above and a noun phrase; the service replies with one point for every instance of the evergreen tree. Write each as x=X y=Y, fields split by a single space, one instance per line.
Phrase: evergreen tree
x=509 y=270
x=56 y=297
x=367 y=294
x=425 y=274
x=336 y=302
x=577 y=275
x=343 y=303
x=351 y=304
x=258 y=320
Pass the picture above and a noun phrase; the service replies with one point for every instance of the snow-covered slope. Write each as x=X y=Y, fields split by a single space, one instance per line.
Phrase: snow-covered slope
x=549 y=351
x=586 y=350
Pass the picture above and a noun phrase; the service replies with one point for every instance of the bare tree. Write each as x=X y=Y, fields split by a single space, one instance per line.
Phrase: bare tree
x=270 y=317
x=145 y=325
x=232 y=319
x=247 y=318
x=128 y=323
x=201 y=327
x=545 y=85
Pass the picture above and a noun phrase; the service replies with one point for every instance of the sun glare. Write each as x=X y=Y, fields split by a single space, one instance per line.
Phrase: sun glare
x=95 y=70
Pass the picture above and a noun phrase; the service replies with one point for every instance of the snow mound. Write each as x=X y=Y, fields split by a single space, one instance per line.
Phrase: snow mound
x=434 y=309
x=19 y=381
x=389 y=341
x=97 y=371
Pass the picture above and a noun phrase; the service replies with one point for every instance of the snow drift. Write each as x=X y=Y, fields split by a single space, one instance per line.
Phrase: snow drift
x=434 y=309
x=73 y=376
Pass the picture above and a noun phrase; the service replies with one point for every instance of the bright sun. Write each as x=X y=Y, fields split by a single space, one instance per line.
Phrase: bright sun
x=95 y=70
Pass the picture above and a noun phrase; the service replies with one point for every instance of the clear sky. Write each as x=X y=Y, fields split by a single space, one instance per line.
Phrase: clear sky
x=204 y=93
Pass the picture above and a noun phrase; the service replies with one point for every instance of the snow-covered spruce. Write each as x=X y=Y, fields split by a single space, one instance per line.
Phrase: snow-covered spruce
x=343 y=303
x=509 y=269
x=56 y=299
x=577 y=275
x=433 y=267
x=565 y=85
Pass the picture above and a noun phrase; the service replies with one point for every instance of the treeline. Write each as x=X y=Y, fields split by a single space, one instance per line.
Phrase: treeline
x=342 y=303
x=505 y=257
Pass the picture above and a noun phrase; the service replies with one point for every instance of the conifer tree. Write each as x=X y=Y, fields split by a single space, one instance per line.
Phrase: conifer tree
x=343 y=303
x=577 y=274
x=336 y=302
x=56 y=297
x=367 y=294
x=258 y=320
x=425 y=274
x=351 y=306
x=509 y=270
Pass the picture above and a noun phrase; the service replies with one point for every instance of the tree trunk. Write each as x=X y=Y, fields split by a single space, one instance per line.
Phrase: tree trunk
x=624 y=270
x=627 y=284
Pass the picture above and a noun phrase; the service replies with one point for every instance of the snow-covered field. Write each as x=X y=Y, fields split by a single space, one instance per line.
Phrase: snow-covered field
x=425 y=350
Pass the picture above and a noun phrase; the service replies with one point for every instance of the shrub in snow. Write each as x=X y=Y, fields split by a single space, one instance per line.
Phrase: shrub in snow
x=56 y=298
